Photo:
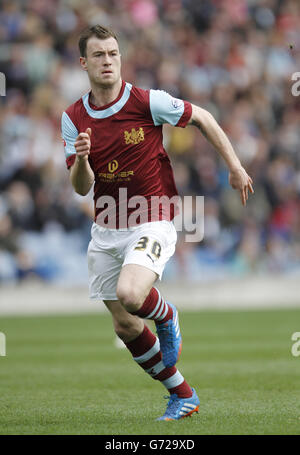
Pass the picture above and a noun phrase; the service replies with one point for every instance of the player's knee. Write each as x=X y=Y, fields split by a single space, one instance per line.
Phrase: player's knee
x=130 y=298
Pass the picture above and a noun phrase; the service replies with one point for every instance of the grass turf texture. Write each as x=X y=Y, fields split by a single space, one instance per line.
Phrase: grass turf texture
x=63 y=375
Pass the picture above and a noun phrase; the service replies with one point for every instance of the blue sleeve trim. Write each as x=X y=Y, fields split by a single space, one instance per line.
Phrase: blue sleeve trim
x=69 y=134
x=164 y=108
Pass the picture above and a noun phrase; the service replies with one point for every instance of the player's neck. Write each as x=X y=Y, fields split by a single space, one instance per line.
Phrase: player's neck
x=101 y=96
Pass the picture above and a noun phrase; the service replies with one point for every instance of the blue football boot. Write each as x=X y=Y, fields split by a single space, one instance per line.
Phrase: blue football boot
x=170 y=339
x=178 y=408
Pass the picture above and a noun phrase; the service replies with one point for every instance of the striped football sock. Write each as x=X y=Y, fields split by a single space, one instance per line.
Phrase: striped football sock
x=146 y=352
x=155 y=307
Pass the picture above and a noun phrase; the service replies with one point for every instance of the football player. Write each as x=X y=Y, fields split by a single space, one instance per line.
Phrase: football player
x=113 y=140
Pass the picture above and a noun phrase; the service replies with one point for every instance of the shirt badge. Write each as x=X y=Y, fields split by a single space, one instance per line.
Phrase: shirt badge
x=134 y=136
x=176 y=103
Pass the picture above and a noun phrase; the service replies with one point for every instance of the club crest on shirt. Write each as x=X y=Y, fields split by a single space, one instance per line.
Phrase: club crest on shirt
x=134 y=136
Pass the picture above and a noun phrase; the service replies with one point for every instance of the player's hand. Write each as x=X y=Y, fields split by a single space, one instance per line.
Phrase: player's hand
x=241 y=181
x=83 y=144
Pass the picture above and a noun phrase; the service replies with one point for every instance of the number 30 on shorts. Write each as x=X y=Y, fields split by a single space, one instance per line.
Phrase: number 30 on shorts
x=155 y=247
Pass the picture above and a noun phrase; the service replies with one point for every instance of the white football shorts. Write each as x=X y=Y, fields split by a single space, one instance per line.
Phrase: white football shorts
x=150 y=245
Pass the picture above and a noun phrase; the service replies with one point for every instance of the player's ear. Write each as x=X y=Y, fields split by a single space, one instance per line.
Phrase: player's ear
x=83 y=63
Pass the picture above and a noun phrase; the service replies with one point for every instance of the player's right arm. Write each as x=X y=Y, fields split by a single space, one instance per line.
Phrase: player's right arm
x=77 y=149
x=81 y=174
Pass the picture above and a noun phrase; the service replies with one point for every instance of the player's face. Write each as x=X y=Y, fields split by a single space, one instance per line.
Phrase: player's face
x=102 y=61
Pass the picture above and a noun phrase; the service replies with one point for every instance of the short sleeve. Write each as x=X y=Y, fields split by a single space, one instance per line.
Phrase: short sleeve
x=69 y=135
x=166 y=109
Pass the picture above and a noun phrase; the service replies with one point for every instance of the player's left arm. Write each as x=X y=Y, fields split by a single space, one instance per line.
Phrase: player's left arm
x=238 y=177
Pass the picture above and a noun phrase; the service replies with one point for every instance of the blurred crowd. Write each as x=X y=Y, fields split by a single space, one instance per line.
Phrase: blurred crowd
x=234 y=58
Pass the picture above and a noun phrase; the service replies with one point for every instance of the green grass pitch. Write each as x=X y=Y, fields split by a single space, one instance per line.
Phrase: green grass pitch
x=63 y=375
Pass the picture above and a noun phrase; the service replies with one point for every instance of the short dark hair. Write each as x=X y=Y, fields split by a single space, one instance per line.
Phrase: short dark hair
x=95 y=30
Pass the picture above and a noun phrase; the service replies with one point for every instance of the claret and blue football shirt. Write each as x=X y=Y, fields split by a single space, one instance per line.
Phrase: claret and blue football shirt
x=126 y=142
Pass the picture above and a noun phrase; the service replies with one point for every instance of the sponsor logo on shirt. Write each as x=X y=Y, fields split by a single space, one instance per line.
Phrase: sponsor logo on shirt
x=111 y=176
x=134 y=136
x=113 y=166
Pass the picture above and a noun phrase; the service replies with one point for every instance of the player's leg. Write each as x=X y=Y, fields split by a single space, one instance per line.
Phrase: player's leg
x=104 y=265
x=138 y=296
x=134 y=284
x=144 y=262
x=127 y=326
x=145 y=349
x=104 y=271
